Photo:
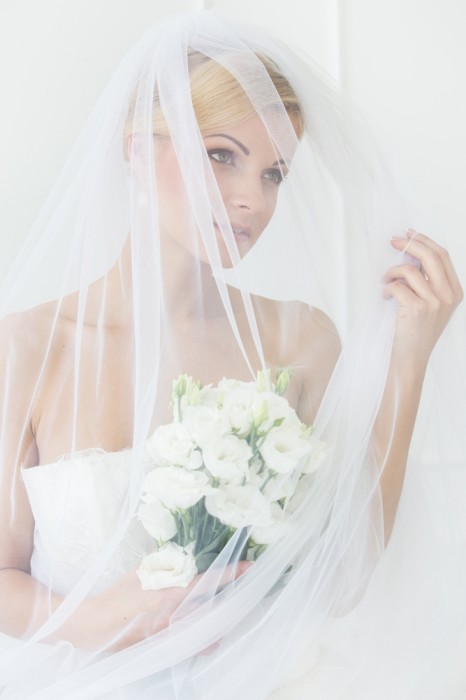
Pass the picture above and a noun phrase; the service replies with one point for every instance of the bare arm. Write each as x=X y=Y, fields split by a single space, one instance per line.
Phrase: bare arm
x=426 y=300
x=392 y=433
x=17 y=448
x=425 y=304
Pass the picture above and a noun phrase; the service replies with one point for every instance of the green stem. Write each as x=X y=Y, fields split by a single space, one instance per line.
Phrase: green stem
x=214 y=542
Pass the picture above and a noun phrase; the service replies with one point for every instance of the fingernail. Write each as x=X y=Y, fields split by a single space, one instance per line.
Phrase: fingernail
x=411 y=232
x=406 y=243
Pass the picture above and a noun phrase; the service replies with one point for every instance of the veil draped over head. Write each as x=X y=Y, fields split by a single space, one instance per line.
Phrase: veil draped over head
x=201 y=227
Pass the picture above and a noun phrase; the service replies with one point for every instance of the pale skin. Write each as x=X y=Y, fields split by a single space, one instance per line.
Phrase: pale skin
x=244 y=164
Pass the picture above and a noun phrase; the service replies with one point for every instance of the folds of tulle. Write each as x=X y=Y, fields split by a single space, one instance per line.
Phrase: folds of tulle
x=350 y=620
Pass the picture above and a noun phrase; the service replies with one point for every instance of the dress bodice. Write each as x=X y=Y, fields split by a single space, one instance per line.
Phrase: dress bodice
x=77 y=505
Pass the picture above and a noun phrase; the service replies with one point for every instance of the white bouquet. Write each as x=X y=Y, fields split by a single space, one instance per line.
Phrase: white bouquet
x=233 y=458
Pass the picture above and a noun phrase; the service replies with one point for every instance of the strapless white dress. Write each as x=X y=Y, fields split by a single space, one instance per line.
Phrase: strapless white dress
x=77 y=503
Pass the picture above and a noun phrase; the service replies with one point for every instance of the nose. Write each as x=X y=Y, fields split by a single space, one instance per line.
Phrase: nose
x=249 y=194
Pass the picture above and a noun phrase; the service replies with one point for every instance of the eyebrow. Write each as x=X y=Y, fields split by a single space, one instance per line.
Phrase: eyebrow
x=240 y=145
x=245 y=150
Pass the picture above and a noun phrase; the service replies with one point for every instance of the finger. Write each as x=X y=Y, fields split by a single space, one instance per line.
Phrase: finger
x=209 y=650
x=238 y=570
x=432 y=263
x=205 y=585
x=234 y=571
x=400 y=293
x=442 y=253
x=429 y=253
x=229 y=573
x=409 y=276
x=412 y=234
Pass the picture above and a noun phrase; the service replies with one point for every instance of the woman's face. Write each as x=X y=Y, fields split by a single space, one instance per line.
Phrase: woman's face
x=248 y=172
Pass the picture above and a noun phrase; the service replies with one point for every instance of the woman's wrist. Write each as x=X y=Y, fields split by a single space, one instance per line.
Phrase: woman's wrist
x=408 y=369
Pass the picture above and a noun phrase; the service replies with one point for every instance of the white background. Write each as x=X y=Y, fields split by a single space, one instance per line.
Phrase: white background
x=402 y=61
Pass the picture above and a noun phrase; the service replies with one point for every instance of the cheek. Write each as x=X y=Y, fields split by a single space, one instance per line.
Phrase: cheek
x=271 y=205
x=168 y=175
x=171 y=192
x=225 y=183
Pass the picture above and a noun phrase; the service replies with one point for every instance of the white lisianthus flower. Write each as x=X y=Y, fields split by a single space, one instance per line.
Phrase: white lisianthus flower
x=240 y=409
x=239 y=506
x=278 y=407
x=226 y=385
x=170 y=566
x=227 y=457
x=157 y=520
x=279 y=486
x=176 y=488
x=279 y=527
x=260 y=413
x=256 y=477
x=284 y=447
x=274 y=486
x=173 y=444
x=211 y=396
x=319 y=452
x=204 y=423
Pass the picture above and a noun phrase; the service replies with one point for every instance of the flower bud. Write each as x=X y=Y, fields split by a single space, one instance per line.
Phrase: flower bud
x=193 y=394
x=283 y=380
x=263 y=381
x=179 y=385
x=260 y=412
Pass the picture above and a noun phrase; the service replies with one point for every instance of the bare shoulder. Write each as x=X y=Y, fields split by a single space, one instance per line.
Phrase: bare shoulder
x=307 y=329
x=25 y=328
x=25 y=337
x=317 y=344
x=305 y=339
x=312 y=318
x=23 y=346
x=318 y=329
x=320 y=349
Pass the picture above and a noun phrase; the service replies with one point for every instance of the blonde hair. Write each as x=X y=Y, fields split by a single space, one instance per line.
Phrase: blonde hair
x=218 y=98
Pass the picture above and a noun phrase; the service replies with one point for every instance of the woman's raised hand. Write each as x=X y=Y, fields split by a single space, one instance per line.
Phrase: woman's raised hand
x=427 y=297
x=126 y=614
x=427 y=294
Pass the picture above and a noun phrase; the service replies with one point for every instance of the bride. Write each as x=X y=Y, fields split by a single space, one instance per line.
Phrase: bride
x=190 y=234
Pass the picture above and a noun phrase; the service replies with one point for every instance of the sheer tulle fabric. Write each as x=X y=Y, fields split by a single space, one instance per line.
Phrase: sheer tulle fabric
x=135 y=273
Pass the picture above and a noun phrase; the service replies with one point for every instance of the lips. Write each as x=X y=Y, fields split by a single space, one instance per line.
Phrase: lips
x=239 y=232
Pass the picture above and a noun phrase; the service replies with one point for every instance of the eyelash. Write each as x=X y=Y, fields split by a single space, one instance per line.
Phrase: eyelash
x=278 y=175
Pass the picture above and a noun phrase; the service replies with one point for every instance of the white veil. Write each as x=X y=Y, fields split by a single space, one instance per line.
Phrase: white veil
x=136 y=273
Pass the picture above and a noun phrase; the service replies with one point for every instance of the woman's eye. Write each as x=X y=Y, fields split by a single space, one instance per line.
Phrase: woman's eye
x=274 y=175
x=222 y=156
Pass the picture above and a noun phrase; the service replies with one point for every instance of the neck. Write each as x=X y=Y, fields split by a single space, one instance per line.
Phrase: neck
x=188 y=287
